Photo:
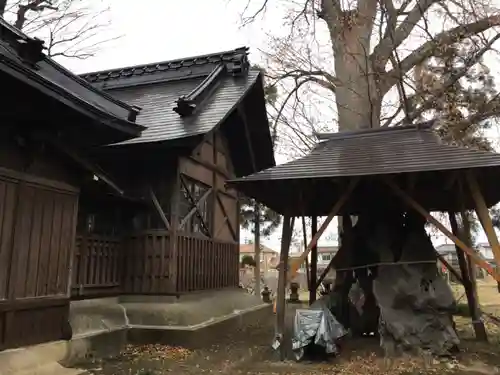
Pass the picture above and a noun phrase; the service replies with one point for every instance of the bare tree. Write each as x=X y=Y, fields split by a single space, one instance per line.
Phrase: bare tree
x=70 y=28
x=351 y=64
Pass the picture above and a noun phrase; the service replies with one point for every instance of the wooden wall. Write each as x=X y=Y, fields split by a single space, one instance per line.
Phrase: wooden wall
x=210 y=164
x=37 y=229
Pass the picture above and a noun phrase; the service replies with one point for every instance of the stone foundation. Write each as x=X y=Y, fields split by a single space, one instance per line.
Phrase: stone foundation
x=102 y=327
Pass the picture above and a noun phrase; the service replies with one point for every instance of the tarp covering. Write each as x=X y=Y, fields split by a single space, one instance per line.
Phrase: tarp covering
x=316 y=325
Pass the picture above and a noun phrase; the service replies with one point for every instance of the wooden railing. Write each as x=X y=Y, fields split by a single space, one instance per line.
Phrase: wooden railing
x=97 y=265
x=206 y=264
x=141 y=264
x=146 y=266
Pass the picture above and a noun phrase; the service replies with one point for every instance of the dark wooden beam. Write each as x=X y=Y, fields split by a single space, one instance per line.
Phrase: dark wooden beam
x=174 y=219
x=212 y=168
x=193 y=202
x=314 y=262
x=195 y=208
x=282 y=283
x=159 y=210
x=86 y=164
x=224 y=212
x=213 y=200
x=334 y=211
x=241 y=112
x=304 y=234
x=431 y=219
x=470 y=290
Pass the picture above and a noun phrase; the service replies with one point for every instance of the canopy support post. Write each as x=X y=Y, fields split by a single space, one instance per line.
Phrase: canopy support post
x=314 y=263
x=314 y=240
x=470 y=288
x=282 y=282
x=484 y=216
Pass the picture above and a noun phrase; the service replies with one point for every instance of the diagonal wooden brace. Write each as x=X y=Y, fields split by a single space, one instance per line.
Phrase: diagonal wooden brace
x=417 y=207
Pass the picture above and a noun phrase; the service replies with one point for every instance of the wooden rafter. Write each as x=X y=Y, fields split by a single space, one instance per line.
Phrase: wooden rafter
x=417 y=207
x=160 y=211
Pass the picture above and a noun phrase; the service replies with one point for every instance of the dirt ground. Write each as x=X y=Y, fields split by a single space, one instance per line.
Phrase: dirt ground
x=249 y=352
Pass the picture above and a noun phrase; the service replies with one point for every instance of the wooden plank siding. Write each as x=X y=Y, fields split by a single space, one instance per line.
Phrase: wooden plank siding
x=37 y=227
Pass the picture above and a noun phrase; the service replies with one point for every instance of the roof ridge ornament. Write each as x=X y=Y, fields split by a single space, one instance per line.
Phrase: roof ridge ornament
x=187 y=104
x=29 y=49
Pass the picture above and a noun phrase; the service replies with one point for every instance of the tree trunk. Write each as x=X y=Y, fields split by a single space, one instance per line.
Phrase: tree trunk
x=358 y=99
x=257 y=248
x=357 y=94
x=3 y=4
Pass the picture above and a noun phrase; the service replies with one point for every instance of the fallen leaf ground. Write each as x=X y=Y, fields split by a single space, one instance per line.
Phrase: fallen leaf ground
x=248 y=352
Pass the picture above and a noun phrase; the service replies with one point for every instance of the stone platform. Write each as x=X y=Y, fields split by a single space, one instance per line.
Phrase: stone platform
x=103 y=326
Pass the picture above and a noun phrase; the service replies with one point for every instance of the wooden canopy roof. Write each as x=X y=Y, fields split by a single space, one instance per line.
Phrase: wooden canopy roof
x=414 y=157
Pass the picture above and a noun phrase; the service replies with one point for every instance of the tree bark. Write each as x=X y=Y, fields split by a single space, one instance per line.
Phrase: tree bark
x=257 y=248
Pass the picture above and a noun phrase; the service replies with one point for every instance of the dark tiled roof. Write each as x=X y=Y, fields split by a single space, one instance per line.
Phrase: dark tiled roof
x=158 y=102
x=24 y=56
x=192 y=96
x=368 y=153
x=188 y=67
x=157 y=88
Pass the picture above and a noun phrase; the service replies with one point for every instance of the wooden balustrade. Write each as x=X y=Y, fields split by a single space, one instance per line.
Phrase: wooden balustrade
x=97 y=265
x=140 y=264
x=204 y=264
x=147 y=258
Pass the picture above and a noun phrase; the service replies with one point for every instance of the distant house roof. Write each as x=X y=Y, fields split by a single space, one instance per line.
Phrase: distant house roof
x=250 y=249
x=22 y=57
x=327 y=249
x=446 y=249
x=369 y=154
x=192 y=96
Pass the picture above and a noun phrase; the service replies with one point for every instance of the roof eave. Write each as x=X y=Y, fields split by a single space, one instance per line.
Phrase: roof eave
x=11 y=67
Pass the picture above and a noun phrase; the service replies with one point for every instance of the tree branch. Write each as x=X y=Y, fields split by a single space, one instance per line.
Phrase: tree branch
x=429 y=48
x=395 y=36
x=453 y=78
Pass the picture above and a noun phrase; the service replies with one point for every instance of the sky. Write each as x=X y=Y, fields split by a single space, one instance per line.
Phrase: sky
x=160 y=30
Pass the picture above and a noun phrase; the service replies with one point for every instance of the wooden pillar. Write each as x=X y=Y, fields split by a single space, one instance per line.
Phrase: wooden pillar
x=314 y=262
x=484 y=217
x=308 y=270
x=282 y=282
x=173 y=268
x=465 y=269
x=257 y=218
